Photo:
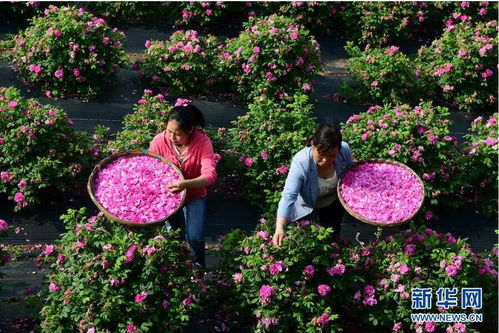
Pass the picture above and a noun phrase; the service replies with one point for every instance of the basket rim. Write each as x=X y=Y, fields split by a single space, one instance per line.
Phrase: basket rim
x=124 y=154
x=380 y=161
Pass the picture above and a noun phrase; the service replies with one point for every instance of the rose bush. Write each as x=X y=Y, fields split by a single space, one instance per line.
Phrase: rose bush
x=203 y=13
x=317 y=16
x=418 y=137
x=479 y=162
x=440 y=12
x=297 y=288
x=381 y=23
x=273 y=56
x=102 y=277
x=419 y=258
x=130 y=11
x=185 y=64
x=461 y=67
x=4 y=256
x=39 y=149
x=149 y=118
x=275 y=289
x=67 y=52
x=382 y=75
x=264 y=141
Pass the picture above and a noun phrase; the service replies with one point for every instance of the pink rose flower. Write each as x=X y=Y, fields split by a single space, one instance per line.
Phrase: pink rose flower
x=309 y=271
x=248 y=161
x=397 y=327
x=323 y=289
x=54 y=287
x=187 y=301
x=18 y=197
x=139 y=298
x=59 y=73
x=3 y=225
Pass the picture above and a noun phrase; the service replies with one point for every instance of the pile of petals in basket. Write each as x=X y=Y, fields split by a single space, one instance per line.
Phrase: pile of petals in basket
x=381 y=192
x=135 y=189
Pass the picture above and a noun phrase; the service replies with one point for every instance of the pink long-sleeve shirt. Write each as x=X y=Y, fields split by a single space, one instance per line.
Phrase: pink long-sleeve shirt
x=198 y=160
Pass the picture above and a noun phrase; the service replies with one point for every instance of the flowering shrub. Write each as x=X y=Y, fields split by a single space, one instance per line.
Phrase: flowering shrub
x=444 y=12
x=14 y=10
x=420 y=258
x=135 y=189
x=67 y=52
x=381 y=192
x=273 y=56
x=317 y=16
x=381 y=23
x=418 y=137
x=368 y=283
x=39 y=149
x=203 y=13
x=4 y=257
x=461 y=67
x=149 y=118
x=381 y=75
x=265 y=140
x=297 y=288
x=480 y=162
x=130 y=11
x=103 y=277
x=184 y=63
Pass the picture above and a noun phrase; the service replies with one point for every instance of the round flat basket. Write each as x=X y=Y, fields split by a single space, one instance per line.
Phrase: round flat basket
x=126 y=154
x=375 y=223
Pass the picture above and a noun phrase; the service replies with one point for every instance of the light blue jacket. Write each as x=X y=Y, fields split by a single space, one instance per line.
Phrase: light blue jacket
x=302 y=184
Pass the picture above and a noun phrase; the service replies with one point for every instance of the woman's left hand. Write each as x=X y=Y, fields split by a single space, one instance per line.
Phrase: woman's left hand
x=177 y=186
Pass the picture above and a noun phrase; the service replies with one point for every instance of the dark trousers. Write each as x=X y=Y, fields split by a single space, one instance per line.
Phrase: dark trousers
x=329 y=216
x=192 y=222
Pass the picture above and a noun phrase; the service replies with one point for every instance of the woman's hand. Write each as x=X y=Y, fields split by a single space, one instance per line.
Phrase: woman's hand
x=177 y=186
x=278 y=237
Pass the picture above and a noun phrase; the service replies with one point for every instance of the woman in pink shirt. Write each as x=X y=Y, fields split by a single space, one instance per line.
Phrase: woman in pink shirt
x=189 y=148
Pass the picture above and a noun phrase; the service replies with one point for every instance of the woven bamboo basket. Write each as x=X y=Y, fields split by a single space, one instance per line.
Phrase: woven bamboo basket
x=102 y=164
x=381 y=161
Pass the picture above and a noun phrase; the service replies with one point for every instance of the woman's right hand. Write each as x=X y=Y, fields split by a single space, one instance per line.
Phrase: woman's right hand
x=278 y=237
x=279 y=232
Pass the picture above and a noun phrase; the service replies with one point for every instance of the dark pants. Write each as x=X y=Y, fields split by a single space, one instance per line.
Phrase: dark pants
x=192 y=221
x=329 y=216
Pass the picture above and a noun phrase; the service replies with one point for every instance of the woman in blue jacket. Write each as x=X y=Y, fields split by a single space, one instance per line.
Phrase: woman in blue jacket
x=310 y=189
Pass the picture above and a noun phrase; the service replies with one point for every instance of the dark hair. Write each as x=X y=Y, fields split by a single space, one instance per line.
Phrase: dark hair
x=188 y=117
x=327 y=137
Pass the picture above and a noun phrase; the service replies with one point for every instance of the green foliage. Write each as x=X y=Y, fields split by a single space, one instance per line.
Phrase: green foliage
x=461 y=66
x=381 y=23
x=4 y=255
x=99 y=273
x=128 y=11
x=297 y=304
x=185 y=63
x=317 y=16
x=418 y=137
x=370 y=284
x=149 y=117
x=203 y=13
x=381 y=75
x=40 y=151
x=264 y=141
x=419 y=258
x=67 y=52
x=273 y=56
x=479 y=161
